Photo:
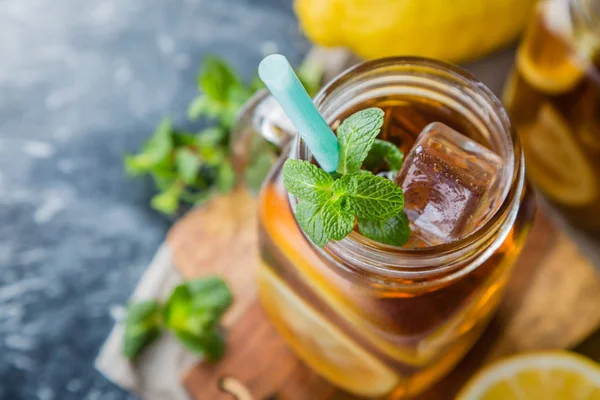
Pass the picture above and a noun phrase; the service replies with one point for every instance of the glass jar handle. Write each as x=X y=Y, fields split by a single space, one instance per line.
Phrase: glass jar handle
x=258 y=137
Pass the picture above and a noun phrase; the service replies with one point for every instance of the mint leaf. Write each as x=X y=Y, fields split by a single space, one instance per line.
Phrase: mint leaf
x=160 y=143
x=138 y=164
x=163 y=183
x=376 y=198
x=165 y=169
x=210 y=344
x=210 y=294
x=383 y=152
x=222 y=93
x=346 y=185
x=212 y=156
x=237 y=95
x=183 y=139
x=188 y=164
x=196 y=197
x=213 y=344
x=310 y=219
x=142 y=327
x=154 y=150
x=204 y=106
x=394 y=231
x=338 y=217
x=307 y=181
x=211 y=137
x=193 y=312
x=178 y=309
x=204 y=299
x=216 y=78
x=322 y=222
x=355 y=138
x=167 y=201
x=165 y=177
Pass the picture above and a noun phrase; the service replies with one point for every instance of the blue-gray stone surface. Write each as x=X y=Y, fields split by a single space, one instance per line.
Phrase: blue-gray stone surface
x=82 y=82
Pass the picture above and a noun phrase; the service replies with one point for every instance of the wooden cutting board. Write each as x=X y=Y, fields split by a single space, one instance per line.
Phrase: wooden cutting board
x=551 y=302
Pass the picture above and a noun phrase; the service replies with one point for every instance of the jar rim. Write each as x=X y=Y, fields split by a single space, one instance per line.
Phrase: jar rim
x=415 y=262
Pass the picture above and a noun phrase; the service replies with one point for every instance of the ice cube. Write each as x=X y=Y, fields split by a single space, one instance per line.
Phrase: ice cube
x=449 y=182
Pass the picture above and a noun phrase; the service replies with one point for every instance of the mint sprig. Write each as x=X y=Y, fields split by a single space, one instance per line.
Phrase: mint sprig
x=328 y=207
x=222 y=93
x=188 y=167
x=192 y=313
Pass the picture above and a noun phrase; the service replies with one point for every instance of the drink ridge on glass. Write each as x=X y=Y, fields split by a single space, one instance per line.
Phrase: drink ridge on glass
x=382 y=321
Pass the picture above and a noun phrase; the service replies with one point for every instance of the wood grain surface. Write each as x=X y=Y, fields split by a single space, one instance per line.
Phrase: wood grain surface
x=551 y=302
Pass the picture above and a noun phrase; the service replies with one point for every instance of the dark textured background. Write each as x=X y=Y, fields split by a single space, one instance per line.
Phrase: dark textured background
x=82 y=82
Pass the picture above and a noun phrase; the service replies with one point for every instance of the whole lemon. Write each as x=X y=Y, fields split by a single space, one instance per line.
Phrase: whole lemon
x=454 y=30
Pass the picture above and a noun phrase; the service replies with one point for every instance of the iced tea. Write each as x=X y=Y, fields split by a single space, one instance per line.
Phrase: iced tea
x=382 y=321
x=553 y=98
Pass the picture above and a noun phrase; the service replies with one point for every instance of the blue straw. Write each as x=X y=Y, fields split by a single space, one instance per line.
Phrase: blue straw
x=277 y=73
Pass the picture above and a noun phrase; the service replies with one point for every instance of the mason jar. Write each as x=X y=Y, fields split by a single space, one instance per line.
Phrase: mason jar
x=381 y=321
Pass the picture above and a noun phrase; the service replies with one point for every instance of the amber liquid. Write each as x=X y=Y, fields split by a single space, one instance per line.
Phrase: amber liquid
x=368 y=339
x=554 y=101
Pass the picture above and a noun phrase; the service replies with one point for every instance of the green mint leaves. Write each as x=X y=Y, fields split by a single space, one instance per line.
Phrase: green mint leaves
x=324 y=211
x=307 y=181
x=192 y=313
x=187 y=167
x=355 y=137
x=328 y=207
x=222 y=93
x=142 y=327
x=394 y=231
x=376 y=197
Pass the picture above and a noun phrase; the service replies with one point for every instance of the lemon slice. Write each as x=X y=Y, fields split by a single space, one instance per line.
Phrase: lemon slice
x=556 y=375
x=589 y=134
x=556 y=162
x=321 y=345
x=546 y=60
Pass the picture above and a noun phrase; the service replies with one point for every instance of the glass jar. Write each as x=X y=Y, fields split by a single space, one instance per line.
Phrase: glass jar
x=383 y=321
x=553 y=97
